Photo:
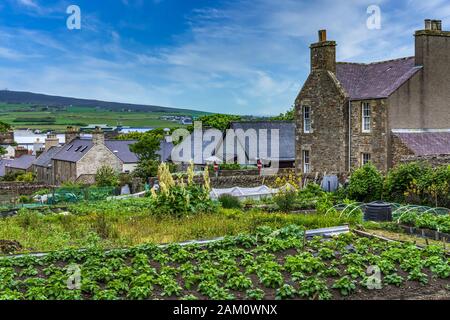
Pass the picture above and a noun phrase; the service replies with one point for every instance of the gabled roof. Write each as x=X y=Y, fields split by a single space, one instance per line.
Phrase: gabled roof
x=286 y=143
x=45 y=159
x=375 y=80
x=23 y=162
x=74 y=151
x=426 y=143
x=121 y=148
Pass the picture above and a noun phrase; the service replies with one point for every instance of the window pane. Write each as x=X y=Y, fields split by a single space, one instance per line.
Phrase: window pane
x=306 y=119
x=366 y=117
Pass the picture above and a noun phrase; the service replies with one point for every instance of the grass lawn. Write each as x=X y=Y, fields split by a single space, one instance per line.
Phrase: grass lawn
x=130 y=223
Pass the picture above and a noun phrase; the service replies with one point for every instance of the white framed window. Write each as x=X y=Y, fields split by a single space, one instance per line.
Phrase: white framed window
x=306 y=162
x=365 y=158
x=306 y=119
x=366 y=116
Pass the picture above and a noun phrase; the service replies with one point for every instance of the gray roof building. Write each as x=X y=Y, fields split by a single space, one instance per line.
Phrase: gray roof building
x=45 y=159
x=22 y=163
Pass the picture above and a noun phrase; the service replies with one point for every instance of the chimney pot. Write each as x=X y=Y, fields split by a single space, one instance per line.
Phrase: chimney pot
x=427 y=24
x=436 y=25
x=322 y=35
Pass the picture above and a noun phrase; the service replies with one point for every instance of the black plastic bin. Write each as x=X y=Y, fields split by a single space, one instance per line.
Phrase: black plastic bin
x=378 y=211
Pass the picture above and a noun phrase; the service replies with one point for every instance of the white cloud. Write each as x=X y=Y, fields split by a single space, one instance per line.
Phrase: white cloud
x=28 y=3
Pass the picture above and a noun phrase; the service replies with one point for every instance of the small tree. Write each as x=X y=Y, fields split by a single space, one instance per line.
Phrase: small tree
x=147 y=145
x=366 y=184
x=106 y=177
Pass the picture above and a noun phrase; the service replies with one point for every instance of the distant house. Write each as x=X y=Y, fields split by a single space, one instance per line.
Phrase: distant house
x=3 y=164
x=80 y=158
x=252 y=141
x=281 y=150
x=43 y=166
x=22 y=164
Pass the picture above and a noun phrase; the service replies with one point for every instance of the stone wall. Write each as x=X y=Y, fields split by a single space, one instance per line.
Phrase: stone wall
x=326 y=141
x=398 y=151
x=95 y=158
x=22 y=188
x=64 y=171
x=374 y=142
x=434 y=160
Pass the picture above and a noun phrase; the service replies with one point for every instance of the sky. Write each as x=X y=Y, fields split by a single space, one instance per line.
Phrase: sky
x=223 y=56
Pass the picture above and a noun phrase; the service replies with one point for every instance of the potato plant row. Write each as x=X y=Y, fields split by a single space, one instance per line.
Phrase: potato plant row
x=269 y=264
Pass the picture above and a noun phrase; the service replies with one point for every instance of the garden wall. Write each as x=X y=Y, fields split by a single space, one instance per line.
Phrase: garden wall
x=22 y=188
x=434 y=160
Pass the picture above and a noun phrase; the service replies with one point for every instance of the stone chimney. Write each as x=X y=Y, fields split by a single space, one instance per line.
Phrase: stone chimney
x=323 y=54
x=432 y=43
x=51 y=141
x=20 y=151
x=98 y=137
x=72 y=133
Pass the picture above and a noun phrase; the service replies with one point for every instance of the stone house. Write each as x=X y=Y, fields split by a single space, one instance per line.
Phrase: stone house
x=21 y=164
x=348 y=114
x=80 y=157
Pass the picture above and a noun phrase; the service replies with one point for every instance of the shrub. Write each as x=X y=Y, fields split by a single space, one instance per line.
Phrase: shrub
x=229 y=202
x=179 y=199
x=106 y=177
x=285 y=199
x=400 y=178
x=366 y=184
x=26 y=177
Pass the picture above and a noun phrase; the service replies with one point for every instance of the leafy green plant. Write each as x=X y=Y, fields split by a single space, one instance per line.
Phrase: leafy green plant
x=366 y=184
x=255 y=294
x=286 y=291
x=314 y=288
x=393 y=279
x=345 y=285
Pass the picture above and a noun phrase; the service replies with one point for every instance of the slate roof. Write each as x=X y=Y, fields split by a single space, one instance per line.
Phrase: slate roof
x=24 y=162
x=286 y=129
x=375 y=80
x=426 y=143
x=121 y=148
x=45 y=159
x=74 y=151
x=3 y=163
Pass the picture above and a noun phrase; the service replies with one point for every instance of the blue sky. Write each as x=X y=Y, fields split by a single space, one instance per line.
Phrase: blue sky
x=226 y=56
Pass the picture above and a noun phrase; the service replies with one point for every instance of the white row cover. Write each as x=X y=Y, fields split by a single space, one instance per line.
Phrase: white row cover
x=255 y=193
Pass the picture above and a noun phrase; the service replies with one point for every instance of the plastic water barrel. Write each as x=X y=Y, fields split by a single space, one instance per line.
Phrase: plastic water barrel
x=378 y=211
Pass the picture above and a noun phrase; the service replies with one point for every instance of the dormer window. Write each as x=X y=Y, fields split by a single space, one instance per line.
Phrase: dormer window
x=366 y=117
x=306 y=119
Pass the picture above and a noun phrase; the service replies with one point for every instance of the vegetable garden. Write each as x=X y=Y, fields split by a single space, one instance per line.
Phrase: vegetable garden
x=268 y=264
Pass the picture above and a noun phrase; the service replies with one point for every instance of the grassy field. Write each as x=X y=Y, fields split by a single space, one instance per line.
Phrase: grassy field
x=130 y=224
x=26 y=116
